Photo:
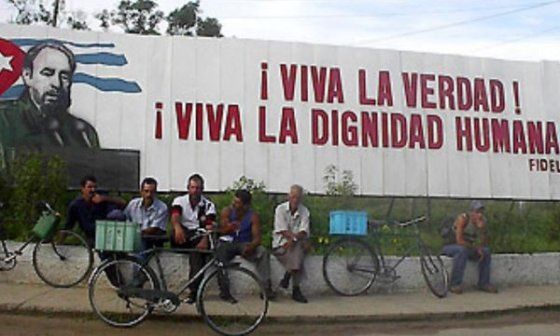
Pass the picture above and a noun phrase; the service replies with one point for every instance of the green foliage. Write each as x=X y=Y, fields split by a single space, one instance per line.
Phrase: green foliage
x=337 y=184
x=209 y=27
x=36 y=12
x=182 y=21
x=135 y=17
x=143 y=17
x=514 y=227
x=247 y=184
x=188 y=21
x=35 y=177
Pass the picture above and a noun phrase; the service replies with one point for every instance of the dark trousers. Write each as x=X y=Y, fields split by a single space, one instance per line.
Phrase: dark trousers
x=196 y=260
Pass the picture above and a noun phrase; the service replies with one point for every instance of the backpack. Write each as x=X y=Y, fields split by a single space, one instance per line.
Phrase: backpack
x=447 y=230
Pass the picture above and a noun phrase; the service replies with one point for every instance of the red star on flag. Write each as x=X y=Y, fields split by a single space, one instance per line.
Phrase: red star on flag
x=11 y=64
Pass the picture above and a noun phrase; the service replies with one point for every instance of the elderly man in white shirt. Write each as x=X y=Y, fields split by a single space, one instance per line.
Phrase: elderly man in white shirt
x=290 y=241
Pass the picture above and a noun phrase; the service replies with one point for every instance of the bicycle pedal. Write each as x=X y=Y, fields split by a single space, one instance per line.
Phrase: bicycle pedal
x=167 y=306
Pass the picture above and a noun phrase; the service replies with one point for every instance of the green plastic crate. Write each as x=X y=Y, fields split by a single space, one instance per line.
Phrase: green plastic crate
x=46 y=225
x=117 y=236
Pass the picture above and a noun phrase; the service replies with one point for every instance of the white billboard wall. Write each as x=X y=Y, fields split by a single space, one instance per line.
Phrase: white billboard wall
x=404 y=123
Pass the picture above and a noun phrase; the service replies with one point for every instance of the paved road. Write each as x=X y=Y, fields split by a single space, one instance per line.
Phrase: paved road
x=541 y=323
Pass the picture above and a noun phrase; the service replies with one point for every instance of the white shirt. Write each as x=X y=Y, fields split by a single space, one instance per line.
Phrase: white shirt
x=189 y=216
x=285 y=221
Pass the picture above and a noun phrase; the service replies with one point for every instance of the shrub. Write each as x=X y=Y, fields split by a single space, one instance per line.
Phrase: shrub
x=34 y=177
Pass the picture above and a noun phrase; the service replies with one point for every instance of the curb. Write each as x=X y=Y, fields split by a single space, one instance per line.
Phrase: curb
x=13 y=309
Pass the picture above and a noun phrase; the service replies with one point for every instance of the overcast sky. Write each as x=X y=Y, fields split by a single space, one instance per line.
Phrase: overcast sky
x=508 y=29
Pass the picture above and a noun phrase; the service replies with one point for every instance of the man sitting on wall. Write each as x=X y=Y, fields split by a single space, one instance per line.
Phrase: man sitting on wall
x=471 y=242
x=241 y=229
x=150 y=212
x=291 y=240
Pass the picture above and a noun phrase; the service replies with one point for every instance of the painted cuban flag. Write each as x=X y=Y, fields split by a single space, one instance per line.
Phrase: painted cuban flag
x=12 y=54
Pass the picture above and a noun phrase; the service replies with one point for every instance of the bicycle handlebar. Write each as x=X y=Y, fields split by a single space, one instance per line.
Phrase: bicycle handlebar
x=379 y=223
x=48 y=206
x=412 y=221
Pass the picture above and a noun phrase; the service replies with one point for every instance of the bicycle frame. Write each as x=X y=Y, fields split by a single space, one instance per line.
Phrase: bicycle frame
x=16 y=253
x=377 y=245
x=154 y=253
x=19 y=251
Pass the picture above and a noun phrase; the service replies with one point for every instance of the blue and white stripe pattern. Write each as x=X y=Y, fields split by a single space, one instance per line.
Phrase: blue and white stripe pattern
x=105 y=58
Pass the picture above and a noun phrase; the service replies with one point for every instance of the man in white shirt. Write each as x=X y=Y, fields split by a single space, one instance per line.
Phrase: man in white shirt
x=188 y=213
x=290 y=241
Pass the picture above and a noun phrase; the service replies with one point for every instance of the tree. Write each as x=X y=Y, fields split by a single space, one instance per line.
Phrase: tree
x=209 y=27
x=142 y=17
x=36 y=12
x=105 y=17
x=135 y=17
x=187 y=21
x=183 y=20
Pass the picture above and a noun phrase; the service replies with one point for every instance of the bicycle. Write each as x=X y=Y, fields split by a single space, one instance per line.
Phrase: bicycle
x=230 y=298
x=56 y=264
x=352 y=264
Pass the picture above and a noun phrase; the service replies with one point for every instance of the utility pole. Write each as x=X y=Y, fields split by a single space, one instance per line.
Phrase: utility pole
x=56 y=9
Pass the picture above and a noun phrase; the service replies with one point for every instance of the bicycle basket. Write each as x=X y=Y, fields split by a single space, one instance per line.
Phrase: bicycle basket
x=348 y=223
x=117 y=236
x=46 y=225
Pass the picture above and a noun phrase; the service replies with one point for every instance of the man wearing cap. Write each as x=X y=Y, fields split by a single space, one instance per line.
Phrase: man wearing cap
x=471 y=242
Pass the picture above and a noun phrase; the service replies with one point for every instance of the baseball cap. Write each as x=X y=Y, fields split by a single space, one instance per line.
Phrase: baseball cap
x=476 y=205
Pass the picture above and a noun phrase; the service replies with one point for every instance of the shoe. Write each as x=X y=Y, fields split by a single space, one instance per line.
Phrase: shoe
x=191 y=299
x=228 y=298
x=456 y=289
x=488 y=289
x=285 y=282
x=297 y=295
x=270 y=294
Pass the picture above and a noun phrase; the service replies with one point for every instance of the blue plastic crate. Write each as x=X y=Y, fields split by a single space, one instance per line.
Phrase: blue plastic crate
x=348 y=223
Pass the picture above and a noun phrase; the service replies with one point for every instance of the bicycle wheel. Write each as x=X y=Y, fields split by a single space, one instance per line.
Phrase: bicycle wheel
x=107 y=299
x=63 y=265
x=434 y=272
x=232 y=301
x=350 y=267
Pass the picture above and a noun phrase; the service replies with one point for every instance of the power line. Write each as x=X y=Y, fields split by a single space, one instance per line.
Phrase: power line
x=387 y=14
x=459 y=23
x=497 y=45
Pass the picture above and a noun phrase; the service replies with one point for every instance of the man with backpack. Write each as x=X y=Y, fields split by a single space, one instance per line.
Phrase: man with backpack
x=469 y=240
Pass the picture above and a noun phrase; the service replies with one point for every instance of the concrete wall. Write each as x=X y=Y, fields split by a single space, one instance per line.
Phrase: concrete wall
x=507 y=270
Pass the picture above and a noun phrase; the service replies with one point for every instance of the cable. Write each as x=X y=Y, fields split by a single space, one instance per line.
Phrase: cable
x=496 y=45
x=459 y=23
x=335 y=16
